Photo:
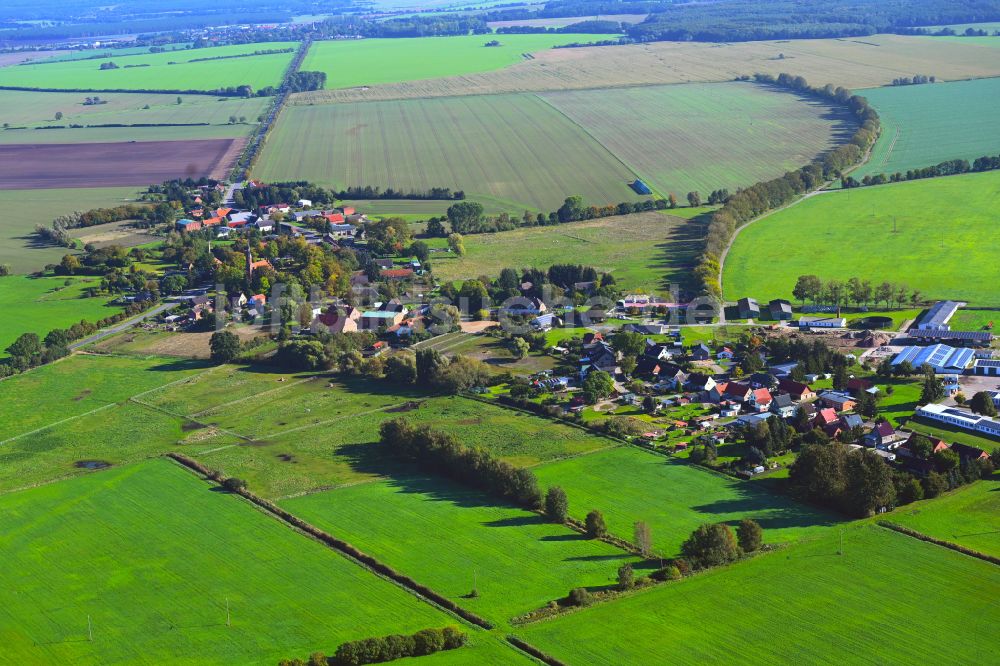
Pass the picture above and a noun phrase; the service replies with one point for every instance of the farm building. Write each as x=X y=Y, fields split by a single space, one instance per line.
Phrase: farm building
x=780 y=309
x=822 y=322
x=960 y=418
x=987 y=367
x=938 y=316
x=641 y=187
x=748 y=308
x=974 y=338
x=942 y=358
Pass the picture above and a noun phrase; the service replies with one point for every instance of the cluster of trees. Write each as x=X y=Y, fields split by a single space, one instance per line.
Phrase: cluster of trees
x=264 y=194
x=185 y=191
x=303 y=81
x=751 y=20
x=597 y=27
x=918 y=79
x=946 y=168
x=761 y=197
x=860 y=292
x=386 y=648
x=144 y=215
x=949 y=470
x=441 y=453
x=857 y=482
x=370 y=192
x=949 y=32
x=713 y=545
x=811 y=356
x=468 y=217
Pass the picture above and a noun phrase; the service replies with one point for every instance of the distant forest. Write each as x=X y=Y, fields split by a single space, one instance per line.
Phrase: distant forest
x=708 y=21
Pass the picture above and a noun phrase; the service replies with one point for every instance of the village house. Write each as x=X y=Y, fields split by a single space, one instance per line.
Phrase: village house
x=881 y=436
x=701 y=352
x=783 y=406
x=699 y=383
x=839 y=401
x=760 y=400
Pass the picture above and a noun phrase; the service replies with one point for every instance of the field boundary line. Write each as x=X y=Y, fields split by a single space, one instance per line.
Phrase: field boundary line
x=216 y=408
x=168 y=412
x=344 y=417
x=343 y=548
x=950 y=545
x=57 y=423
x=176 y=381
x=593 y=138
x=888 y=153
x=323 y=489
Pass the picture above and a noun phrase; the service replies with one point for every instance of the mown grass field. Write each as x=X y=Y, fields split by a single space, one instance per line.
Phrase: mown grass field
x=513 y=150
x=870 y=61
x=644 y=251
x=38 y=305
x=514 y=558
x=116 y=531
x=25 y=209
x=920 y=125
x=350 y=63
x=630 y=485
x=80 y=384
x=944 y=245
x=969 y=516
x=802 y=604
x=705 y=136
x=134 y=74
x=285 y=433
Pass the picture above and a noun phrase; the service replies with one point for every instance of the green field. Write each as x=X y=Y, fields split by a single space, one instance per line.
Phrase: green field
x=25 y=209
x=28 y=112
x=644 y=251
x=888 y=599
x=920 y=126
x=969 y=516
x=153 y=581
x=680 y=138
x=514 y=151
x=38 y=305
x=133 y=74
x=516 y=560
x=352 y=63
x=284 y=433
x=629 y=485
x=942 y=224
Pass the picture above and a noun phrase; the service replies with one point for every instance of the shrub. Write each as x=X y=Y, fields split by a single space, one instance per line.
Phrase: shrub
x=580 y=596
x=711 y=545
x=556 y=504
x=233 y=484
x=596 y=527
x=750 y=535
x=626 y=577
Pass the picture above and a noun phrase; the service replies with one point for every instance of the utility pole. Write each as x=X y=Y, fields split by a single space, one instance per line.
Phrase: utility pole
x=90 y=630
x=229 y=622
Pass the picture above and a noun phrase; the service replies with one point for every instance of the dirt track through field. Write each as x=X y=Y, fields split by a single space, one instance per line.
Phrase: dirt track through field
x=48 y=166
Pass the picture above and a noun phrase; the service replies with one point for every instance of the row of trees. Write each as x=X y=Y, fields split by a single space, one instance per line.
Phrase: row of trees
x=468 y=217
x=370 y=192
x=855 y=290
x=386 y=648
x=440 y=453
x=946 y=168
x=918 y=79
x=747 y=204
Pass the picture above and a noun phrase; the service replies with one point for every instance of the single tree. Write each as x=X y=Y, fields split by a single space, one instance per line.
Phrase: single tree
x=643 y=538
x=626 y=577
x=556 y=504
x=225 y=346
x=982 y=403
x=749 y=535
x=596 y=528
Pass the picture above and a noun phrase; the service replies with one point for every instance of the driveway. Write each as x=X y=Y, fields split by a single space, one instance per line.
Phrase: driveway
x=121 y=326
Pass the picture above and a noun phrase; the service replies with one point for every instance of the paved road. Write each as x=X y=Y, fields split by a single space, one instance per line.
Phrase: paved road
x=119 y=327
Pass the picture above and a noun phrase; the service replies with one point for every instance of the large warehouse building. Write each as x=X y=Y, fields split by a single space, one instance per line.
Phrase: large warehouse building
x=944 y=359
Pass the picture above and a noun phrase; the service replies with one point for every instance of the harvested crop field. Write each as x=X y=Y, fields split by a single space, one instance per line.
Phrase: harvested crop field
x=706 y=136
x=44 y=166
x=512 y=150
x=872 y=61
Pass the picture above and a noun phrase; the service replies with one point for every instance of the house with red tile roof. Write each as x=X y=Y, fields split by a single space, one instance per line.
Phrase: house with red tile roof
x=397 y=274
x=760 y=399
x=825 y=417
x=797 y=390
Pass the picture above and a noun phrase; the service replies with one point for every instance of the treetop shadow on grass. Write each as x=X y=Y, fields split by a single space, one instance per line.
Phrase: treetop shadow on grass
x=179 y=365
